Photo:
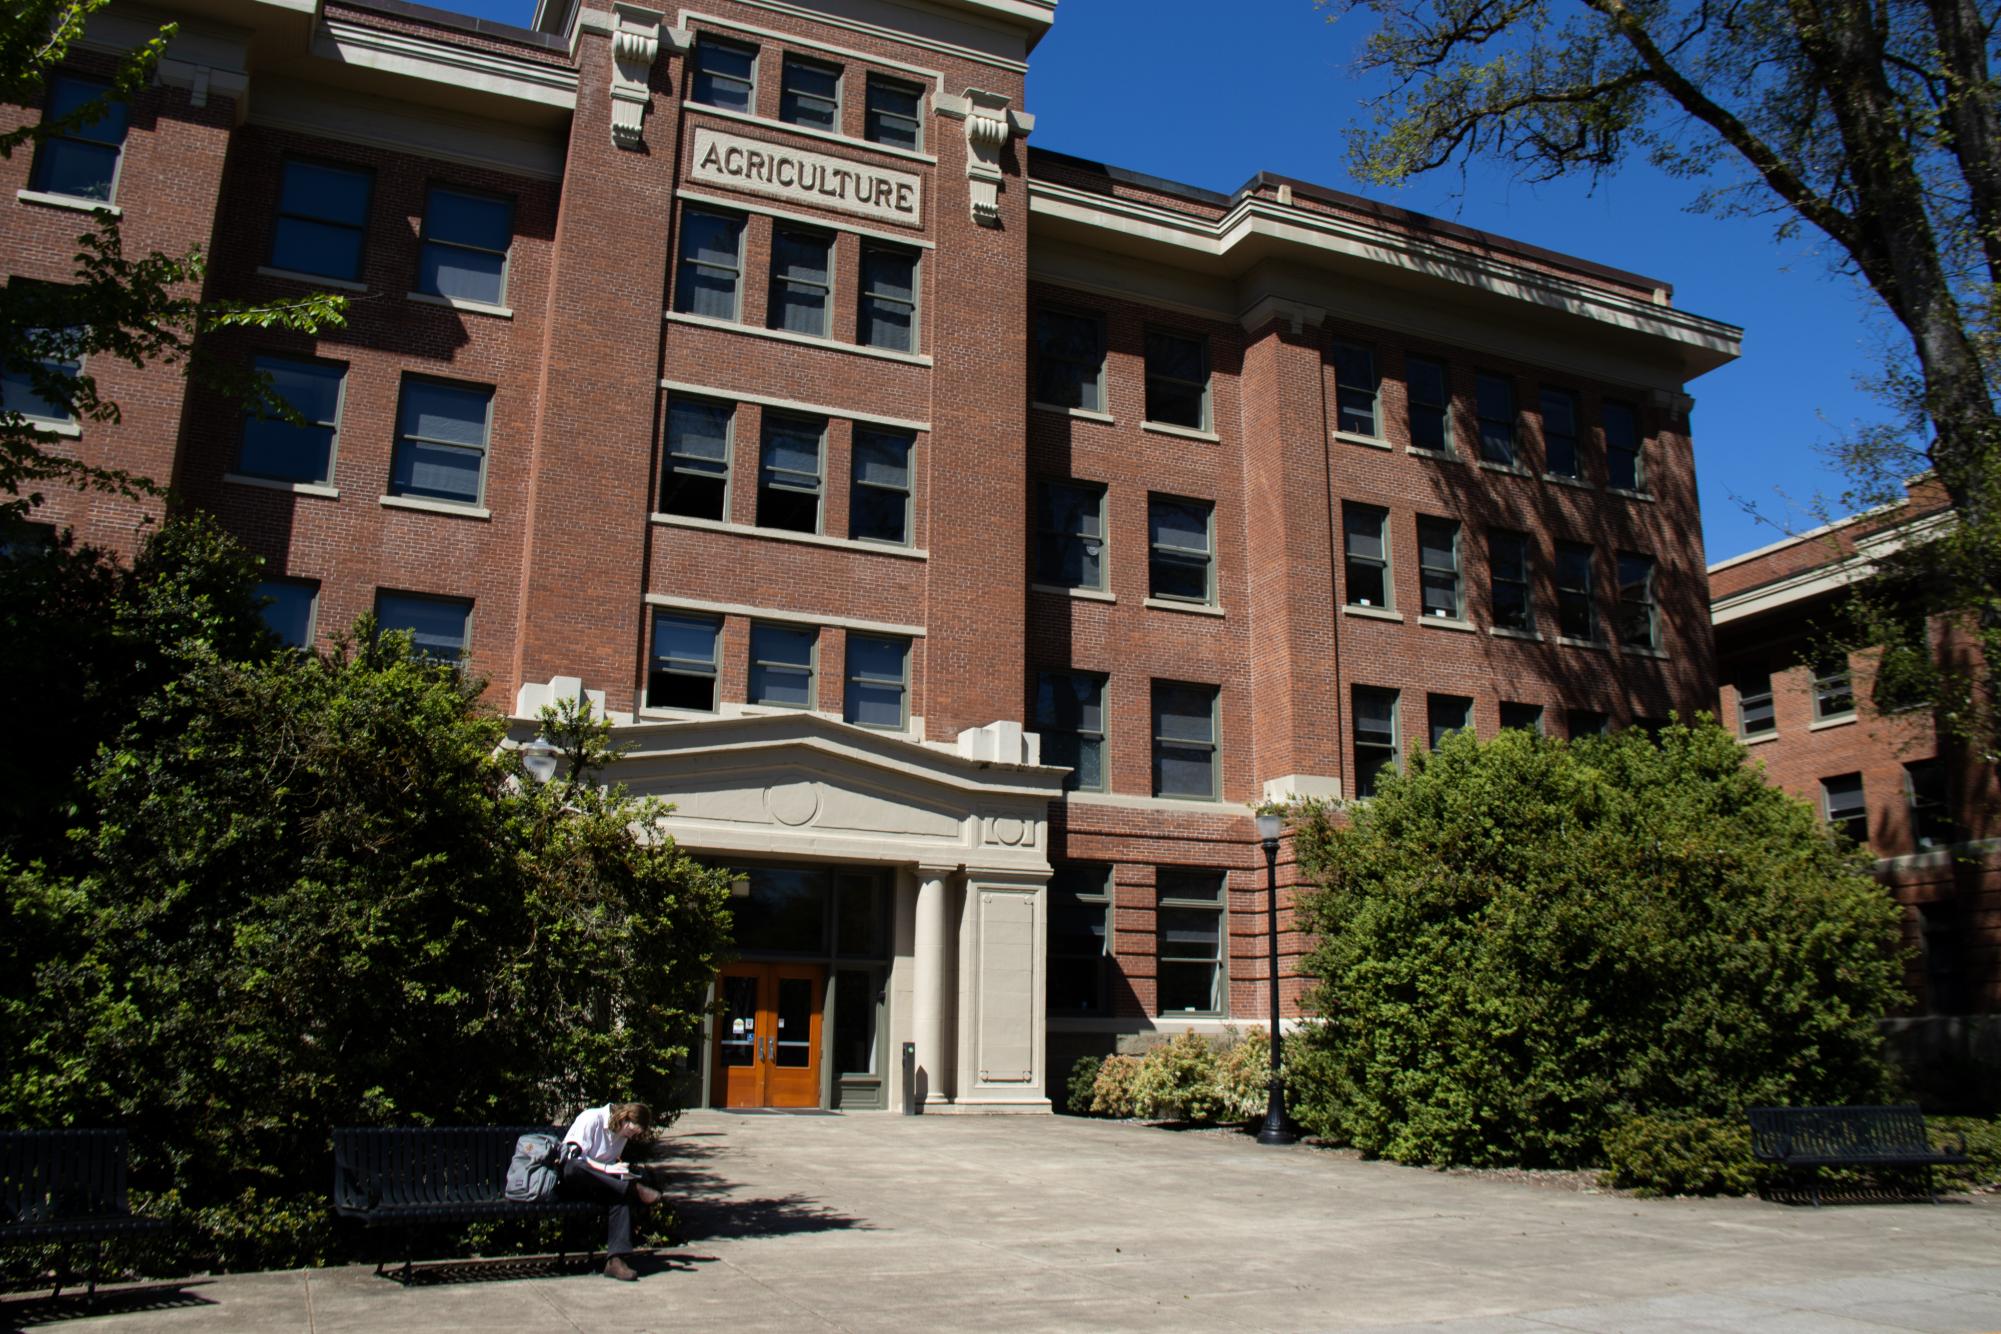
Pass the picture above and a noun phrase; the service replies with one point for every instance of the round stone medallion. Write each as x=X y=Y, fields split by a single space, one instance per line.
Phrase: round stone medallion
x=793 y=803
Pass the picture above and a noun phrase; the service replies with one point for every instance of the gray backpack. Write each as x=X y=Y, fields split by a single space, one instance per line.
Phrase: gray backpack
x=532 y=1176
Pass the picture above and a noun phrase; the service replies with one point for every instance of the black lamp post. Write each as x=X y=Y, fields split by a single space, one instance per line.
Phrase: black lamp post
x=1275 y=1130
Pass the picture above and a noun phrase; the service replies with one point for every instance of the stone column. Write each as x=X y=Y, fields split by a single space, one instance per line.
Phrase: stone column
x=931 y=957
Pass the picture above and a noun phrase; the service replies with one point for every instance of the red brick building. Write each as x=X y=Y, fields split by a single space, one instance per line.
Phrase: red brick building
x=1924 y=802
x=965 y=536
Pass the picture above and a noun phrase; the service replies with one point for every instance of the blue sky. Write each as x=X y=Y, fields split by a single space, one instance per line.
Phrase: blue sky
x=1169 y=87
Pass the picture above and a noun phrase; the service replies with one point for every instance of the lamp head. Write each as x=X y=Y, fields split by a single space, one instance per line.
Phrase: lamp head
x=1269 y=825
x=539 y=757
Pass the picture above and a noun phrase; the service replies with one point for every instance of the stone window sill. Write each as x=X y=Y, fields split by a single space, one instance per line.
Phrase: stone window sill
x=1373 y=613
x=1443 y=455
x=1509 y=632
x=460 y=303
x=1191 y=608
x=1085 y=594
x=320 y=489
x=1511 y=469
x=1185 y=432
x=802 y=340
x=1082 y=414
x=43 y=426
x=788 y=535
x=808 y=132
x=436 y=507
x=1558 y=479
x=1597 y=644
x=47 y=200
x=1373 y=442
x=1640 y=651
x=312 y=279
x=1842 y=720
x=1761 y=738
x=1447 y=623
x=1647 y=496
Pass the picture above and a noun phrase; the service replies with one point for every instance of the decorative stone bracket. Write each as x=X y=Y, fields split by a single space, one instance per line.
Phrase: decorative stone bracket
x=989 y=125
x=635 y=41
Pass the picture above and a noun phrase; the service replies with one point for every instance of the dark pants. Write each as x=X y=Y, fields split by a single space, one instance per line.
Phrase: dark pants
x=587 y=1183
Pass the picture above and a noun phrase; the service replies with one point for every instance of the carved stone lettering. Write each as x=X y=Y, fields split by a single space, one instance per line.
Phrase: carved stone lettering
x=808 y=178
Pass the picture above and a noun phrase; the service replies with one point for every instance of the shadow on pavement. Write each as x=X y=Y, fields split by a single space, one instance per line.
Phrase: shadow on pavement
x=36 y=1312
x=705 y=1208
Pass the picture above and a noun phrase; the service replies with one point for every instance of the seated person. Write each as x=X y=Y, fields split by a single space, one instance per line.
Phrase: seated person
x=592 y=1170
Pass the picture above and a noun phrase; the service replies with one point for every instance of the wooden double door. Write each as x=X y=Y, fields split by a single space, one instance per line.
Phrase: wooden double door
x=768 y=1035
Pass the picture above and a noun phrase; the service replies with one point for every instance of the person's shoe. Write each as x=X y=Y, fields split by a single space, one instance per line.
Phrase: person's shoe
x=617 y=1268
x=646 y=1195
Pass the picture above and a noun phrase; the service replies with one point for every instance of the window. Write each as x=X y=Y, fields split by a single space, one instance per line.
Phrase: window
x=1842 y=801
x=1070 y=714
x=1447 y=714
x=1559 y=433
x=1365 y=530
x=1189 y=930
x=711 y=265
x=696 y=478
x=1375 y=737
x=1528 y=717
x=788 y=477
x=466 y=239
x=894 y=114
x=1833 y=689
x=1184 y=740
x=1494 y=399
x=1177 y=380
x=1438 y=566
x=82 y=160
x=44 y=389
x=1355 y=390
x=1639 y=617
x=879 y=497
x=1070 y=535
x=801 y=281
x=441 y=434
x=1586 y=722
x=1576 y=610
x=809 y=94
x=725 y=75
x=888 y=315
x=1931 y=815
x=781 y=665
x=322 y=218
x=1180 y=544
x=273 y=447
x=1069 y=361
x=878 y=682
x=440 y=628
x=1508 y=585
x=683 y=673
x=1755 y=716
x=1430 y=404
x=1080 y=916
x=289 y=607
x=1623 y=471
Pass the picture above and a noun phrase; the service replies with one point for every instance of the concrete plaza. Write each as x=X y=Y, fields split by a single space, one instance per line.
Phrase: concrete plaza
x=884 y=1223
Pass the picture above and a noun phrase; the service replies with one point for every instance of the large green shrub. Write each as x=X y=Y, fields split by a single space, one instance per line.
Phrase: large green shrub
x=1524 y=943
x=1177 y=1080
x=1112 y=1090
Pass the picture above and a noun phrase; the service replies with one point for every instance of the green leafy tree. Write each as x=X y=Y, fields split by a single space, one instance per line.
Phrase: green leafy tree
x=1527 y=942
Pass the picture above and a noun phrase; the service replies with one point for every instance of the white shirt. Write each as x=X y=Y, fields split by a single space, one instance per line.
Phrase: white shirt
x=591 y=1132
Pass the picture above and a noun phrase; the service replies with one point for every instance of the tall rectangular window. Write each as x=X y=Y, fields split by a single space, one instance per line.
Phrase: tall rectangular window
x=1931 y=813
x=1833 y=689
x=788 y=475
x=1355 y=390
x=695 y=482
x=1755 y=715
x=1190 y=909
x=1080 y=918
x=1070 y=535
x=1438 y=566
x=684 y=671
x=1428 y=395
x=1586 y=722
x=82 y=160
x=809 y=94
x=1069 y=360
x=441 y=435
x=1508 y=585
x=1181 y=547
x=1070 y=715
x=725 y=75
x=1846 y=809
x=894 y=114
x=1527 y=717
x=1177 y=380
x=1365 y=534
x=1623 y=467
x=1375 y=713
x=781 y=665
x=1559 y=433
x=1494 y=400
x=42 y=388
x=290 y=607
x=440 y=628
x=888 y=314
x=1576 y=595
x=879 y=499
x=1447 y=714
x=322 y=220
x=465 y=243
x=277 y=449
x=1639 y=614
x=878 y=693
x=1184 y=740
x=802 y=281
x=711 y=272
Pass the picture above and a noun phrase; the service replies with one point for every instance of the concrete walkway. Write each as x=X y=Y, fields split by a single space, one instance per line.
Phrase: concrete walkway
x=881 y=1223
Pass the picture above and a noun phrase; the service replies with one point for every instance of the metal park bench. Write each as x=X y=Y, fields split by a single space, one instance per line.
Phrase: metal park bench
x=63 y=1186
x=406 y=1177
x=1817 y=1137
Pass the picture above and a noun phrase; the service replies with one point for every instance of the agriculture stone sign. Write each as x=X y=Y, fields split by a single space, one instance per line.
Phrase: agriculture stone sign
x=808 y=178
